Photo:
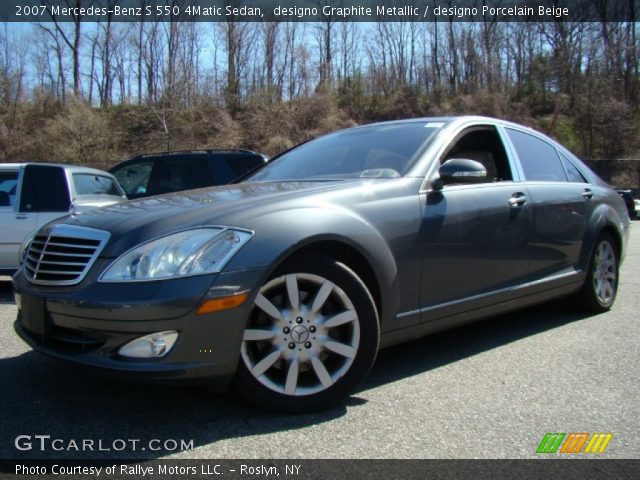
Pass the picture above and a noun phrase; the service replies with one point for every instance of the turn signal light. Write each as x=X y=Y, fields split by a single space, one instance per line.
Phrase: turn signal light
x=223 y=303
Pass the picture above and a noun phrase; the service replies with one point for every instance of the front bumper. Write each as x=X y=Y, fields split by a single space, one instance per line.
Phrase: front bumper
x=87 y=324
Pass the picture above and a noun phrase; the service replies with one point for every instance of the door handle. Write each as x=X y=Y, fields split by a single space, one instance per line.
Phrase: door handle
x=518 y=199
x=21 y=216
x=587 y=194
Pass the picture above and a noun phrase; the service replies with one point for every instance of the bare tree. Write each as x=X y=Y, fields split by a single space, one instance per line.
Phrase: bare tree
x=324 y=39
x=239 y=39
x=55 y=43
x=72 y=38
x=270 y=37
x=348 y=52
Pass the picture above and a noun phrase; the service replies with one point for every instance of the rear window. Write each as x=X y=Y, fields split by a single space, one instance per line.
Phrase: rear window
x=179 y=172
x=231 y=166
x=573 y=173
x=539 y=159
x=88 y=184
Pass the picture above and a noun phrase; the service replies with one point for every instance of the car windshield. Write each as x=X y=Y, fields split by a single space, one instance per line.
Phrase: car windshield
x=90 y=184
x=377 y=151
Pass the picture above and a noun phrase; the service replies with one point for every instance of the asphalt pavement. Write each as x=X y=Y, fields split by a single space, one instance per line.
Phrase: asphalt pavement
x=489 y=390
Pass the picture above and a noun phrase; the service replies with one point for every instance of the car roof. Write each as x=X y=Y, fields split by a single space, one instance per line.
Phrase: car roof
x=450 y=120
x=197 y=152
x=456 y=121
x=71 y=168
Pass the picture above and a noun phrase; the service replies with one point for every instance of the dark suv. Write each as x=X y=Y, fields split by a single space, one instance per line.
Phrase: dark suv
x=158 y=173
x=629 y=202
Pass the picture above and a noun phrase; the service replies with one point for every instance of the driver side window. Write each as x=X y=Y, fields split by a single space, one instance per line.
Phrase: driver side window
x=482 y=144
x=133 y=177
x=8 y=187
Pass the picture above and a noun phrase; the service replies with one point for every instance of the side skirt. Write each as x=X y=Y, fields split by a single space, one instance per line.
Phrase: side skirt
x=454 y=314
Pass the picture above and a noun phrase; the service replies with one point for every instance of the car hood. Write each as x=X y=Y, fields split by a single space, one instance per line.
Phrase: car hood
x=136 y=221
x=87 y=202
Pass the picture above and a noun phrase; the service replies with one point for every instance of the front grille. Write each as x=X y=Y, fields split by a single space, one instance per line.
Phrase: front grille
x=63 y=254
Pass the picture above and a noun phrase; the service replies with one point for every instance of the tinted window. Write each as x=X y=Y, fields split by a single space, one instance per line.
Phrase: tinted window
x=230 y=166
x=539 y=160
x=179 y=172
x=573 y=173
x=8 y=187
x=87 y=184
x=44 y=189
x=374 y=151
x=134 y=177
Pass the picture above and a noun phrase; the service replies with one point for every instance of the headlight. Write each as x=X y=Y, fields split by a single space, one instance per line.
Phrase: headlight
x=191 y=252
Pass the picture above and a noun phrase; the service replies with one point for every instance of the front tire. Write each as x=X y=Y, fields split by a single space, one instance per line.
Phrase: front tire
x=601 y=286
x=311 y=338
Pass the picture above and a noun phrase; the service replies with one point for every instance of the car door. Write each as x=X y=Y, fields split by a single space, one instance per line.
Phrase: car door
x=561 y=200
x=43 y=196
x=45 y=193
x=473 y=235
x=14 y=225
x=179 y=172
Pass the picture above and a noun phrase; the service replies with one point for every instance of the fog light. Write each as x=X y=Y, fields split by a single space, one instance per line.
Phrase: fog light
x=153 y=345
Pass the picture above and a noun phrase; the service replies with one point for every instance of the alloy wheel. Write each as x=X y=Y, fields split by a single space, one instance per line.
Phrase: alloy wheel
x=604 y=273
x=303 y=335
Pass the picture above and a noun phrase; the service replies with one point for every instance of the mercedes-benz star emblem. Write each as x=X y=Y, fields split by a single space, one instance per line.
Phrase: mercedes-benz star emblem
x=299 y=334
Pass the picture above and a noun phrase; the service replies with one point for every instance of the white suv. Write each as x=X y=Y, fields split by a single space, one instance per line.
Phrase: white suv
x=32 y=194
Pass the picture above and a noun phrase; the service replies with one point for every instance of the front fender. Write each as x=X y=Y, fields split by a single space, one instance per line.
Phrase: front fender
x=604 y=216
x=278 y=235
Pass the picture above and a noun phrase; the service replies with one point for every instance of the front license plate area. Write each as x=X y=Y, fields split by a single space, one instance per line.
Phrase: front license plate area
x=34 y=315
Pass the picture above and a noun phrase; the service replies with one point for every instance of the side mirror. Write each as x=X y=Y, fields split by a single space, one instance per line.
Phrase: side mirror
x=461 y=170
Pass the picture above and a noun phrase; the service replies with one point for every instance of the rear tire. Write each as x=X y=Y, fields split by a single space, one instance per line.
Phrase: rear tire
x=601 y=285
x=311 y=338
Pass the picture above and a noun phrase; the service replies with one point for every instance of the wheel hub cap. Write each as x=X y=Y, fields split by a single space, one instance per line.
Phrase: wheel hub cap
x=300 y=334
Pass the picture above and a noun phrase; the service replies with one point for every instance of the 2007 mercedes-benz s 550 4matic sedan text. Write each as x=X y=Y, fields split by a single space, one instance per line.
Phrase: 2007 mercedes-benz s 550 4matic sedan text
x=285 y=286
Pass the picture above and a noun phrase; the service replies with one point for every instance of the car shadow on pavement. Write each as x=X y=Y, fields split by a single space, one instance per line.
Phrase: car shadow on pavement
x=433 y=351
x=47 y=397
x=6 y=292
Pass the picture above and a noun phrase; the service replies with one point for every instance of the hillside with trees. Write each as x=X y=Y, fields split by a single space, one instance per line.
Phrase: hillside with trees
x=97 y=93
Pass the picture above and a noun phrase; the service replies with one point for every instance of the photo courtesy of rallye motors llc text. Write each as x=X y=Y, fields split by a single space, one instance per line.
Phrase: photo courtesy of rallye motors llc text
x=146 y=470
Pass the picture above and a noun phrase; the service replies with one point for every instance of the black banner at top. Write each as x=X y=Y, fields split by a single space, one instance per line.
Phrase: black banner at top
x=319 y=10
